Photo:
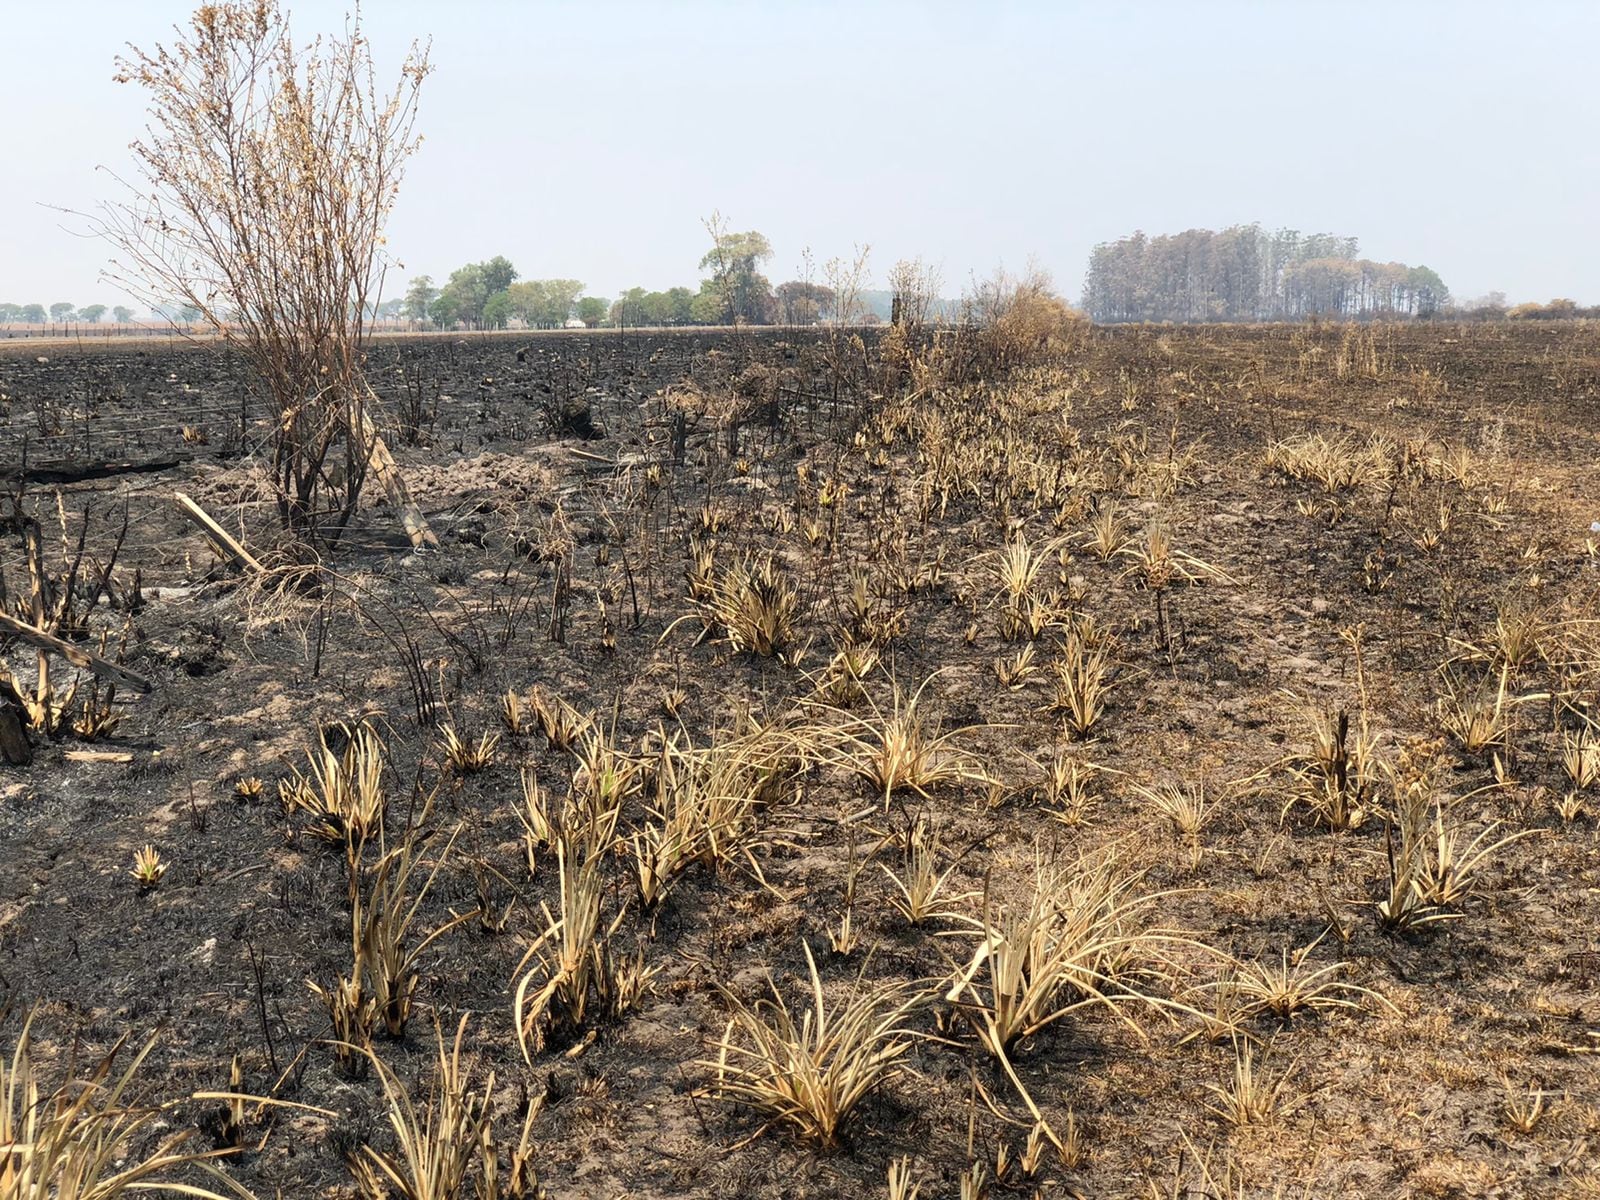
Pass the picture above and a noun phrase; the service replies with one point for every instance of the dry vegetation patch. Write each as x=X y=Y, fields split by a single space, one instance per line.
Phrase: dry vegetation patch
x=1005 y=760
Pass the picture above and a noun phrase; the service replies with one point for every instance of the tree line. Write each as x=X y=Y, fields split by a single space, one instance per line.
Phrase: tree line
x=62 y=313
x=1493 y=307
x=1241 y=273
x=1244 y=273
x=492 y=295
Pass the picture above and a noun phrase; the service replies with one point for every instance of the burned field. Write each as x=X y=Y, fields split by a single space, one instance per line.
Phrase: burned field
x=1161 y=763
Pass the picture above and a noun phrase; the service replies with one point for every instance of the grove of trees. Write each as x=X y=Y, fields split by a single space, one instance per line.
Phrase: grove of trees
x=735 y=292
x=491 y=295
x=60 y=313
x=636 y=306
x=488 y=295
x=1244 y=273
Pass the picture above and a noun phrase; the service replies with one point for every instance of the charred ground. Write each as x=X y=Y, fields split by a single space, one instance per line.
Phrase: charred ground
x=1390 y=522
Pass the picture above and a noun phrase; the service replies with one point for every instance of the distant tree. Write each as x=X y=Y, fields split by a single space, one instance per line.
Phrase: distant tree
x=497 y=310
x=9 y=313
x=628 y=308
x=592 y=310
x=561 y=297
x=677 y=306
x=847 y=280
x=190 y=313
x=710 y=305
x=445 y=310
x=468 y=286
x=527 y=300
x=801 y=303
x=419 y=297
x=1559 y=309
x=498 y=274
x=1244 y=273
x=914 y=290
x=32 y=314
x=390 y=310
x=92 y=313
x=60 y=311
x=122 y=314
x=545 y=303
x=1491 y=306
x=737 y=291
x=1428 y=292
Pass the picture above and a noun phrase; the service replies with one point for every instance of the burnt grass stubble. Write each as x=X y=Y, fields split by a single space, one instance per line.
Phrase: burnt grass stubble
x=507 y=441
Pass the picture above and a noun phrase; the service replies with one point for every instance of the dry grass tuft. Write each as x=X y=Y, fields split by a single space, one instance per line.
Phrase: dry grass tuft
x=446 y=1145
x=706 y=802
x=571 y=970
x=920 y=895
x=904 y=751
x=809 y=1074
x=754 y=603
x=92 y=1139
x=1251 y=1098
x=1081 y=938
x=1083 y=679
x=462 y=756
x=343 y=796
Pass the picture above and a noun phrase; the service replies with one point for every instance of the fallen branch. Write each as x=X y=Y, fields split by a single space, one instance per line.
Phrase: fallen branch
x=75 y=655
x=226 y=543
x=64 y=472
x=99 y=756
x=382 y=464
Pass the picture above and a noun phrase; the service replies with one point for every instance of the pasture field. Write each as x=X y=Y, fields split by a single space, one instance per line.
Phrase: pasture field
x=1164 y=763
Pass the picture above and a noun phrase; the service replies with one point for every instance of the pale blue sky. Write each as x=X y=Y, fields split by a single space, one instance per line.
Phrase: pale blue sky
x=588 y=140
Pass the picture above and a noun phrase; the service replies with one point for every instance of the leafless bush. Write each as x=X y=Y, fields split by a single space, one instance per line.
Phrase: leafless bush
x=268 y=172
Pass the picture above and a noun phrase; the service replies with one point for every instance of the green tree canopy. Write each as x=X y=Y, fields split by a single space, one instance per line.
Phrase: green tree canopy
x=498 y=274
x=92 y=313
x=736 y=290
x=527 y=300
x=419 y=297
x=561 y=297
x=445 y=310
x=497 y=310
x=468 y=287
x=637 y=307
x=61 y=311
x=545 y=303
x=710 y=305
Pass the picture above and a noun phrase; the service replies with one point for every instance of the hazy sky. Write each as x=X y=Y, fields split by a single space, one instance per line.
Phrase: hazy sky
x=587 y=140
